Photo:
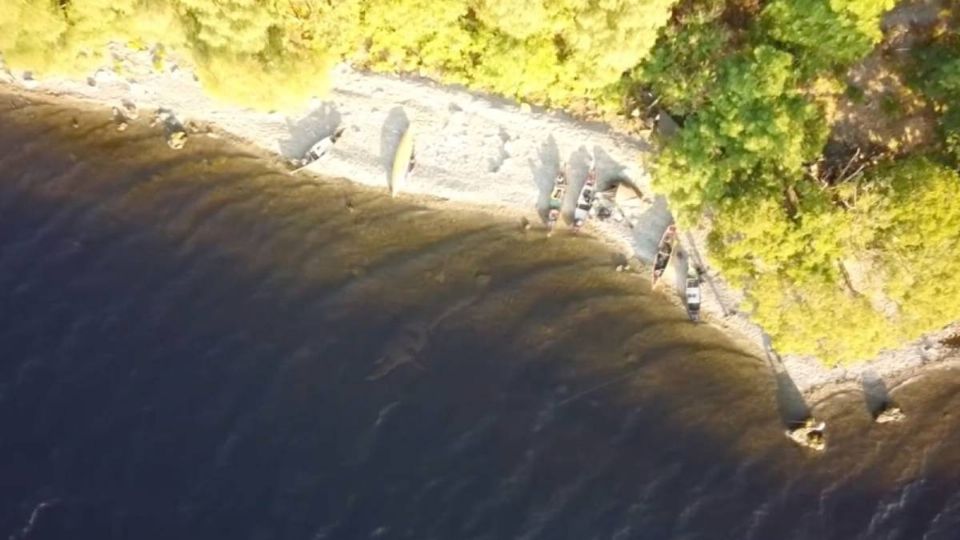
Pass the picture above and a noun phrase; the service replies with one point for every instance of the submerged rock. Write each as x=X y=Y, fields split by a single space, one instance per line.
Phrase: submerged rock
x=176 y=139
x=810 y=434
x=129 y=109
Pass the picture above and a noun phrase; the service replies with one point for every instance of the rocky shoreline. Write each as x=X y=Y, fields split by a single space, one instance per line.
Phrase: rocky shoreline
x=472 y=149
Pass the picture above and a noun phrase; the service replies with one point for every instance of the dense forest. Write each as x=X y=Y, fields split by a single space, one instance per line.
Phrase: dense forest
x=819 y=145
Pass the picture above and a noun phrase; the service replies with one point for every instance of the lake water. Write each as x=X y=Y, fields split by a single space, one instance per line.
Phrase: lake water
x=196 y=345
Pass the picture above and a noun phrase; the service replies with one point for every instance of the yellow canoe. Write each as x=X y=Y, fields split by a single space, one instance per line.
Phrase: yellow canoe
x=402 y=161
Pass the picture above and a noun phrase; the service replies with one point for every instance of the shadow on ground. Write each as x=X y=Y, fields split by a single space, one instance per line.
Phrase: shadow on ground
x=792 y=406
x=317 y=124
x=545 y=172
x=394 y=126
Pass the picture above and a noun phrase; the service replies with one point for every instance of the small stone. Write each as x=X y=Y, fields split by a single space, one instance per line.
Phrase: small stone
x=525 y=108
x=74 y=123
x=91 y=81
x=891 y=413
x=129 y=109
x=122 y=126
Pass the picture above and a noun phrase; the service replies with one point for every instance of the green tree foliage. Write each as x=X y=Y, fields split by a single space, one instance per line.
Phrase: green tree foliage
x=270 y=54
x=917 y=237
x=826 y=33
x=902 y=228
x=748 y=130
x=751 y=138
x=30 y=32
x=70 y=37
x=400 y=38
x=937 y=74
x=548 y=51
x=682 y=69
x=273 y=53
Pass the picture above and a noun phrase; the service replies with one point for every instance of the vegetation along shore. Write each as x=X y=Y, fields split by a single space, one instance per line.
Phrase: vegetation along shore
x=814 y=158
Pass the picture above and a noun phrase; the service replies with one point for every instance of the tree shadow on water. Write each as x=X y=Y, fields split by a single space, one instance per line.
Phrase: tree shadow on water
x=876 y=396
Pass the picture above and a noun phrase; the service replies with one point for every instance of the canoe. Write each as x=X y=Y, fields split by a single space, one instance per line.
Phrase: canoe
x=664 y=252
x=693 y=294
x=403 y=162
x=585 y=201
x=318 y=150
x=556 y=197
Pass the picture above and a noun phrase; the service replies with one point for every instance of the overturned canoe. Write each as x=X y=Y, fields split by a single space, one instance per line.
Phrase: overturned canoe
x=403 y=162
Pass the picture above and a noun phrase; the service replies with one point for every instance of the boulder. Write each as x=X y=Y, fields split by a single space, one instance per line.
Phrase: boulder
x=809 y=434
x=890 y=413
x=176 y=139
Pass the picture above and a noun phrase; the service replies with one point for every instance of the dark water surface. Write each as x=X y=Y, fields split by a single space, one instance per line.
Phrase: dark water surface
x=195 y=345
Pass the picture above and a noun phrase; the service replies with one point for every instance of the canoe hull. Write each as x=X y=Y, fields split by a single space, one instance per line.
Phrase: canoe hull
x=401 y=162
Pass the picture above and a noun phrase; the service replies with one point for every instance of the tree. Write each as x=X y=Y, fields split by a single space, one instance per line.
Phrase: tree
x=825 y=33
x=752 y=137
x=937 y=74
x=682 y=68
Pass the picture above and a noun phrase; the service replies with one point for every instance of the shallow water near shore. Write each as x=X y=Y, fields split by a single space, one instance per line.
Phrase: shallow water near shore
x=198 y=345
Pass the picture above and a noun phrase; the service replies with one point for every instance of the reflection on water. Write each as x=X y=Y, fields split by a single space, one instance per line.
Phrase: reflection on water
x=198 y=345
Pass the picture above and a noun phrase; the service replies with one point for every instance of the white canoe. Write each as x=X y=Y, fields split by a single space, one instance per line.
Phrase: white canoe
x=402 y=162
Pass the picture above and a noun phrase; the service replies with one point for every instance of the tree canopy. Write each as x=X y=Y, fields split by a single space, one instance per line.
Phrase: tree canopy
x=273 y=54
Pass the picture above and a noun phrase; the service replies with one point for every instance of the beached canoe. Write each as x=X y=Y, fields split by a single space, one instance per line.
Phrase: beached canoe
x=556 y=197
x=403 y=162
x=585 y=201
x=664 y=251
x=318 y=150
x=693 y=294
